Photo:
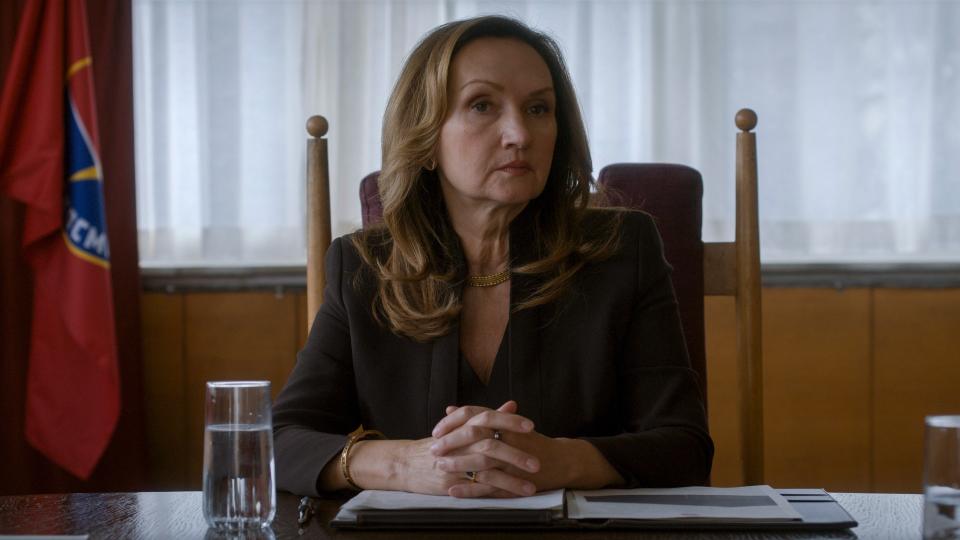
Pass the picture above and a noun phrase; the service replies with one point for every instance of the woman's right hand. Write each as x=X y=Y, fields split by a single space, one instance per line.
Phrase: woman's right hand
x=405 y=465
x=417 y=470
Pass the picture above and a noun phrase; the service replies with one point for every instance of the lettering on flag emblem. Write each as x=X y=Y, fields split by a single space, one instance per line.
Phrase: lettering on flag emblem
x=85 y=230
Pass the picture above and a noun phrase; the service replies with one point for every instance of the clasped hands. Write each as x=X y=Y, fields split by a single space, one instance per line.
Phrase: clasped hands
x=481 y=452
x=464 y=457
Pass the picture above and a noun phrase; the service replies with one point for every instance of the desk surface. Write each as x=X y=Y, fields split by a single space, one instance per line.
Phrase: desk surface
x=179 y=515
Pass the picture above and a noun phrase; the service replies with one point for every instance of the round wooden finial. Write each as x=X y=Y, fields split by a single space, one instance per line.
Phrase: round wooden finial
x=746 y=119
x=317 y=126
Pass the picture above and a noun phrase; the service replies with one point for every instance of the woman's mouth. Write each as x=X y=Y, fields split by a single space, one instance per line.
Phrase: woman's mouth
x=515 y=167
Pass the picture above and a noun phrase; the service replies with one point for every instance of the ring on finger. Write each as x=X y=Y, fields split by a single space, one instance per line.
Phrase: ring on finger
x=471 y=476
x=497 y=436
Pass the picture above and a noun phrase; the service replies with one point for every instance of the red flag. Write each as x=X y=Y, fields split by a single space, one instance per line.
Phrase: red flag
x=49 y=160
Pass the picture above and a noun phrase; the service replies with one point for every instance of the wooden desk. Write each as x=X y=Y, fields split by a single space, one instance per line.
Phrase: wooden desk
x=179 y=515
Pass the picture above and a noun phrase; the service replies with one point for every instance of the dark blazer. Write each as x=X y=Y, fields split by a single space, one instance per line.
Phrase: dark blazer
x=607 y=364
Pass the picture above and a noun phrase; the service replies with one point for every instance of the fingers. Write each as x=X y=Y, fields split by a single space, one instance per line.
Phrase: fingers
x=510 y=406
x=489 y=482
x=470 y=434
x=488 y=454
x=478 y=490
x=504 y=418
x=455 y=418
x=464 y=414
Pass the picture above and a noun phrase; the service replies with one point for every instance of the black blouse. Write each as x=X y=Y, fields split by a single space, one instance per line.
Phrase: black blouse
x=472 y=391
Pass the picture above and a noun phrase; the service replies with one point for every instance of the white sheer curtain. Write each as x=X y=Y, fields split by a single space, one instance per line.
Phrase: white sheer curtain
x=218 y=105
x=859 y=106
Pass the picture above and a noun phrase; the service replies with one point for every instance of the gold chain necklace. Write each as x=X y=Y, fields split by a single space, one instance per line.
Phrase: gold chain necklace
x=489 y=280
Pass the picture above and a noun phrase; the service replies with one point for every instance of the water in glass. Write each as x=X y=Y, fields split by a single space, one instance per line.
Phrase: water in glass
x=238 y=470
x=941 y=477
x=238 y=483
x=941 y=512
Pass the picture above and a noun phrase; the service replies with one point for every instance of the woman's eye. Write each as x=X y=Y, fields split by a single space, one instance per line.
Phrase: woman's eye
x=539 y=110
x=480 y=106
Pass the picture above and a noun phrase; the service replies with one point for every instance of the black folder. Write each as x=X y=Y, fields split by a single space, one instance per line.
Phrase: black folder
x=819 y=511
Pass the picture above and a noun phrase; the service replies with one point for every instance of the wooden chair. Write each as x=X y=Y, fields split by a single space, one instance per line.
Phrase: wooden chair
x=673 y=195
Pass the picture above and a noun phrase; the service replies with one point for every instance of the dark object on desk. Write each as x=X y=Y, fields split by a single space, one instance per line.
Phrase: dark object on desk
x=820 y=511
x=304 y=513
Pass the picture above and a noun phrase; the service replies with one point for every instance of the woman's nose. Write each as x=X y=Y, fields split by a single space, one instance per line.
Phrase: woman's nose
x=515 y=132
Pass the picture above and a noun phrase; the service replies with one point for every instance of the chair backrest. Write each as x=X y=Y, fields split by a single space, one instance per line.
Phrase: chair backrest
x=371 y=209
x=673 y=195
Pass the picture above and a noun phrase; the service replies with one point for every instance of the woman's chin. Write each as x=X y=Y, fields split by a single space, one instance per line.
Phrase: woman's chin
x=516 y=192
x=514 y=199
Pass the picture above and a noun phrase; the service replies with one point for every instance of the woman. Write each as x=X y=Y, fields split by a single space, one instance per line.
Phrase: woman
x=500 y=337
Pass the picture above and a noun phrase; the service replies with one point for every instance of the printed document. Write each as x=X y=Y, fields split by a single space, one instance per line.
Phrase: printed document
x=738 y=504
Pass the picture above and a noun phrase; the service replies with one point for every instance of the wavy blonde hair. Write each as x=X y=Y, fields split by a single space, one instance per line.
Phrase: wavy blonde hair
x=414 y=253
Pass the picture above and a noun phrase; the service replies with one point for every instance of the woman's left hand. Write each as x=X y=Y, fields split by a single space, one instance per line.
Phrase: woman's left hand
x=465 y=441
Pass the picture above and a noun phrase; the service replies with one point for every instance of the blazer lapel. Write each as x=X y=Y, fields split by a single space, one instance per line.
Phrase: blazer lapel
x=524 y=327
x=443 y=376
x=523 y=359
x=445 y=356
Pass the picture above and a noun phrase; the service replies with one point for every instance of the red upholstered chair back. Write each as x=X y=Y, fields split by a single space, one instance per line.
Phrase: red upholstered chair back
x=370 y=206
x=672 y=194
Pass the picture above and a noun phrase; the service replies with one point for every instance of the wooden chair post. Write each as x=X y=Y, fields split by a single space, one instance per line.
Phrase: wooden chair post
x=318 y=213
x=748 y=300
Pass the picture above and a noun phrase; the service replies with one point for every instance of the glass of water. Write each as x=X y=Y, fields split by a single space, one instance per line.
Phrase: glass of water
x=941 y=477
x=238 y=479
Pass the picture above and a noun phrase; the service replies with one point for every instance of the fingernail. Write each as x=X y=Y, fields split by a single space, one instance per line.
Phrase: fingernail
x=527 y=425
x=529 y=489
x=434 y=448
x=434 y=432
x=443 y=463
x=532 y=465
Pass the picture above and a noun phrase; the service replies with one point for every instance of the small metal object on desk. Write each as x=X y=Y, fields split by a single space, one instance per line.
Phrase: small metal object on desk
x=304 y=513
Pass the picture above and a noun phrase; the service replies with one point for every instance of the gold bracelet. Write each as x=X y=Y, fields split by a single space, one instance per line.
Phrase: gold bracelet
x=355 y=437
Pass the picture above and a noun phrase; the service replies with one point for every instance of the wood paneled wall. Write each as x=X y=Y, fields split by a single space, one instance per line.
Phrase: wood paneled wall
x=849 y=375
x=199 y=337
x=816 y=353
x=916 y=371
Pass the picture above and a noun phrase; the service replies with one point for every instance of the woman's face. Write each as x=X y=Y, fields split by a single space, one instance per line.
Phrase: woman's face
x=496 y=143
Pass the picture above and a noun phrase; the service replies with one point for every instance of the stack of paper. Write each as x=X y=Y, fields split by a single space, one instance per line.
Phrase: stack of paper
x=372 y=499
